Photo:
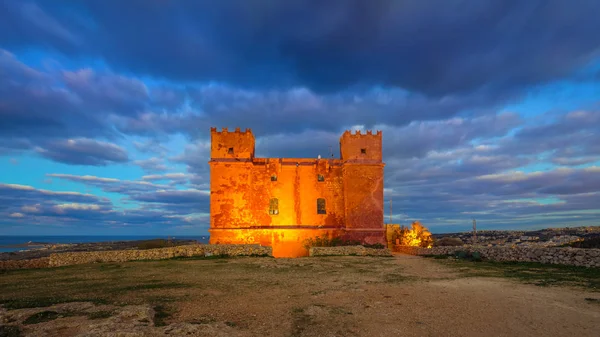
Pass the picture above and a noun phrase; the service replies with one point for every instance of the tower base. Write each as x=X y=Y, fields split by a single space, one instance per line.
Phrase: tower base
x=290 y=241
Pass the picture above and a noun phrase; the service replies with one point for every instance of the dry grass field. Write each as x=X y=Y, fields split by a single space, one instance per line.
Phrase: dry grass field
x=329 y=296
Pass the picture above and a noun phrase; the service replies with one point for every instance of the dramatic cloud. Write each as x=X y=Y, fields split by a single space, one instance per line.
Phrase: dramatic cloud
x=22 y=202
x=84 y=152
x=152 y=164
x=447 y=48
x=557 y=182
x=111 y=184
x=11 y=192
x=174 y=178
x=107 y=92
x=71 y=210
x=174 y=197
x=151 y=146
x=187 y=201
x=488 y=109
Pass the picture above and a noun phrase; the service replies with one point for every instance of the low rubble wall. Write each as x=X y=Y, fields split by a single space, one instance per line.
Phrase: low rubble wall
x=554 y=255
x=25 y=264
x=67 y=259
x=348 y=250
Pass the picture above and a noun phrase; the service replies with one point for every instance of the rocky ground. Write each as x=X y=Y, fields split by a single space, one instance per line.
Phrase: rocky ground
x=44 y=250
x=327 y=296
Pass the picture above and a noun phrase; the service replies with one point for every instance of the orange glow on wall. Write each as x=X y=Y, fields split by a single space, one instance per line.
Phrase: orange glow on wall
x=282 y=201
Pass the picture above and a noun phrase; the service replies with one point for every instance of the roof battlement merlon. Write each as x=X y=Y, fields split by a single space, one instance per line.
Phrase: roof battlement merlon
x=226 y=130
x=358 y=133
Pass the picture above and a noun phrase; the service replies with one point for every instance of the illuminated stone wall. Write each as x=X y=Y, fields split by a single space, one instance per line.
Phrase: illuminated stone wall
x=243 y=188
x=241 y=192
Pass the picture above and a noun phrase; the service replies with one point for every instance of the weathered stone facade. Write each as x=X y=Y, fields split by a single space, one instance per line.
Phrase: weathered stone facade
x=280 y=202
x=348 y=250
x=73 y=258
x=566 y=256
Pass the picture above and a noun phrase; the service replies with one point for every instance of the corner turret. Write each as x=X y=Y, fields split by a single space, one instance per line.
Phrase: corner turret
x=226 y=144
x=358 y=146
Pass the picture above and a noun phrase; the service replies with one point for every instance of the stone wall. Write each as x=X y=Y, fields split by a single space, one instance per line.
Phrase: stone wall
x=25 y=264
x=554 y=255
x=348 y=250
x=66 y=259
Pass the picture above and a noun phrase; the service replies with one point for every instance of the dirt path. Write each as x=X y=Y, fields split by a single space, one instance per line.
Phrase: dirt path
x=445 y=304
x=332 y=296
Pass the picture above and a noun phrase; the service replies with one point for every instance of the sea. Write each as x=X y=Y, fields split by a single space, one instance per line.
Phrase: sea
x=6 y=242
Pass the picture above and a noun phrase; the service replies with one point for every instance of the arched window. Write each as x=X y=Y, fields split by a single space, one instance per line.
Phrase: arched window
x=274 y=177
x=274 y=206
x=321 y=206
x=320 y=177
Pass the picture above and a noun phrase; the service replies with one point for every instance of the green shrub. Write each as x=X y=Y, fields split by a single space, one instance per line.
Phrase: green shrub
x=326 y=241
x=375 y=245
x=448 y=241
x=470 y=256
x=100 y=314
x=44 y=316
x=10 y=331
x=161 y=315
x=586 y=243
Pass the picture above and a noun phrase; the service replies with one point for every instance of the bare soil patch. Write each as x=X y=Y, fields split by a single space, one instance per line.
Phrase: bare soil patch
x=328 y=296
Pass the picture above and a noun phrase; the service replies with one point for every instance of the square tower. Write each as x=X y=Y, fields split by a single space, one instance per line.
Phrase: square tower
x=234 y=145
x=362 y=147
x=363 y=179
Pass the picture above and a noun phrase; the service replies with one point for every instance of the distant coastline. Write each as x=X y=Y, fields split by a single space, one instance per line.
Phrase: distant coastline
x=25 y=243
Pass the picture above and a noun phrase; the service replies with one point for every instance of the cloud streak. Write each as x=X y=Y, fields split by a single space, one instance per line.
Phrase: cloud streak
x=488 y=110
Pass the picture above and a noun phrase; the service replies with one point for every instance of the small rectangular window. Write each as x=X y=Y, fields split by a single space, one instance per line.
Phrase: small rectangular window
x=274 y=206
x=321 y=206
x=273 y=178
x=363 y=151
x=230 y=151
x=320 y=177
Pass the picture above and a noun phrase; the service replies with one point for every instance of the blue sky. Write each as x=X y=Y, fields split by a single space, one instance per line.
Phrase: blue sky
x=488 y=111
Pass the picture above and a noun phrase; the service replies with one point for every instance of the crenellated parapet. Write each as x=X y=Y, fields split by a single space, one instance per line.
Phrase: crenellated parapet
x=358 y=133
x=236 y=144
x=361 y=146
x=226 y=131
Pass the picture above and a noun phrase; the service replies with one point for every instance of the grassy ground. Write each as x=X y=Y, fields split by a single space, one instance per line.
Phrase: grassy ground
x=528 y=272
x=114 y=283
x=166 y=282
x=349 y=296
x=162 y=282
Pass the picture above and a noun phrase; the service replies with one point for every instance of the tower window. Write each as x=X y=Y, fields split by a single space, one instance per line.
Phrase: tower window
x=320 y=177
x=230 y=150
x=274 y=206
x=321 y=206
x=273 y=178
x=363 y=151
